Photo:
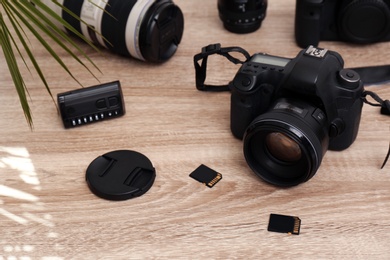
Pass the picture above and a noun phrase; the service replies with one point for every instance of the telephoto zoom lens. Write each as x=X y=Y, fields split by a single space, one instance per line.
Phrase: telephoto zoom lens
x=148 y=30
x=242 y=16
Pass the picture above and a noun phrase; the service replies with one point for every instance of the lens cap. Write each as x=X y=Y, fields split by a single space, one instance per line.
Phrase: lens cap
x=120 y=175
x=161 y=34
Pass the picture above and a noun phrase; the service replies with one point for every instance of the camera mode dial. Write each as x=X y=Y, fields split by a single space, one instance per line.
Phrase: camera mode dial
x=349 y=78
x=244 y=82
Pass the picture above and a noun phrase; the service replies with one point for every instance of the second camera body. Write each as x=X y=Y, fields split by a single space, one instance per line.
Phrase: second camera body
x=357 y=21
x=289 y=112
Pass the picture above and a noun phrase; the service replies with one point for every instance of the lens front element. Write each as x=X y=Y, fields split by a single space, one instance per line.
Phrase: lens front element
x=285 y=145
x=282 y=147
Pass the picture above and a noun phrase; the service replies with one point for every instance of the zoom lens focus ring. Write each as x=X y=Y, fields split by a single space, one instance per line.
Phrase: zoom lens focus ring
x=114 y=25
x=75 y=7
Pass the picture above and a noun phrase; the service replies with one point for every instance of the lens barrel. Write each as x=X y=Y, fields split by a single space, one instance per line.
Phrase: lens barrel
x=242 y=16
x=148 y=30
x=285 y=145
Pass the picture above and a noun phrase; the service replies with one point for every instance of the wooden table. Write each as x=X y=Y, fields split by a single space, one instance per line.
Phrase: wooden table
x=47 y=210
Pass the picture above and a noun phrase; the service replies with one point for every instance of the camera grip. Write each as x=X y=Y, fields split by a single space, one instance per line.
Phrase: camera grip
x=241 y=115
x=351 y=119
x=307 y=22
x=245 y=107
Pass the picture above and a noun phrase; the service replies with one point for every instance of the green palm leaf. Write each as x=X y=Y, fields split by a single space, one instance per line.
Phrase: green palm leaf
x=36 y=17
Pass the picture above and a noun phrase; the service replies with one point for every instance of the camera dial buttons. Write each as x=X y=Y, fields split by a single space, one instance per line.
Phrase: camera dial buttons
x=101 y=103
x=350 y=78
x=243 y=83
x=246 y=82
x=319 y=115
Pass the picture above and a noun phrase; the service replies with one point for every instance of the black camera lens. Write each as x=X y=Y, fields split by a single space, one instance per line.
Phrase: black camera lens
x=285 y=145
x=149 y=30
x=242 y=16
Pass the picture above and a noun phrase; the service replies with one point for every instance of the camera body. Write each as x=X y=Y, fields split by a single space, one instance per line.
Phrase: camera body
x=289 y=112
x=354 y=21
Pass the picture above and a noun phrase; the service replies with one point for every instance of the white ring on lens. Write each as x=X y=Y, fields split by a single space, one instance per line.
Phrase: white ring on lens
x=92 y=13
x=133 y=27
x=57 y=9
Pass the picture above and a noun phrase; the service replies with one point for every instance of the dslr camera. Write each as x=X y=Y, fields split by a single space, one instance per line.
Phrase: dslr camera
x=354 y=21
x=289 y=112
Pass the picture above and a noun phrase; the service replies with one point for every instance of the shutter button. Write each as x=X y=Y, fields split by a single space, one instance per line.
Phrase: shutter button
x=120 y=175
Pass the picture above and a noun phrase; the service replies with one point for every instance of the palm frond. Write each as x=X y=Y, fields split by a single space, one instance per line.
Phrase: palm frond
x=17 y=78
x=35 y=16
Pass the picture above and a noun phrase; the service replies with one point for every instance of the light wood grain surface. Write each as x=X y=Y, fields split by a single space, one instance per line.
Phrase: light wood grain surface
x=48 y=212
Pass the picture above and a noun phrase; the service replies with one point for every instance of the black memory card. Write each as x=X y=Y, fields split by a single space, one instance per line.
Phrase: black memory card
x=206 y=175
x=284 y=224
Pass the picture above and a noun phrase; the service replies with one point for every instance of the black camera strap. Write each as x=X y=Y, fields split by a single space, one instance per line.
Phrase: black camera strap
x=374 y=75
x=369 y=75
x=201 y=70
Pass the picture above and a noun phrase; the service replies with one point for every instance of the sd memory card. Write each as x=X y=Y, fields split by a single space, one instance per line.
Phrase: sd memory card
x=206 y=175
x=284 y=224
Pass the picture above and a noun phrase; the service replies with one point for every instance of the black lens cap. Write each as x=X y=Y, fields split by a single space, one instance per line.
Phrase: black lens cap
x=120 y=175
x=161 y=31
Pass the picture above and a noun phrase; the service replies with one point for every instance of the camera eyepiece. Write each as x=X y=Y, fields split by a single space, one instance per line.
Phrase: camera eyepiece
x=149 y=30
x=285 y=145
x=242 y=16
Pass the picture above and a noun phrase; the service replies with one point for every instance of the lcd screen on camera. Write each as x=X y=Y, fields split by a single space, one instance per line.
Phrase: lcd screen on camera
x=271 y=60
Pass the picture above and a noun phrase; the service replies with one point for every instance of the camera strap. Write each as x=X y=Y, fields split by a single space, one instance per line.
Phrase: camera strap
x=201 y=70
x=374 y=75
x=369 y=75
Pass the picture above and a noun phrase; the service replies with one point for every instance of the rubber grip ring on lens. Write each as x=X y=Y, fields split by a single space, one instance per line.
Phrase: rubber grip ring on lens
x=92 y=14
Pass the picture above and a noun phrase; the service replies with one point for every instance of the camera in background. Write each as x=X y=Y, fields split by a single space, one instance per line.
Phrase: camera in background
x=289 y=112
x=148 y=30
x=341 y=20
x=242 y=16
